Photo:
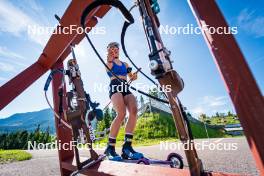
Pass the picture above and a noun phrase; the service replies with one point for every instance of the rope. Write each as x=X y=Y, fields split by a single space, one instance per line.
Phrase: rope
x=61 y=71
x=55 y=113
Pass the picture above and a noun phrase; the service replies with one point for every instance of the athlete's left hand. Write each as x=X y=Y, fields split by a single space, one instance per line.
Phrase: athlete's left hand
x=134 y=76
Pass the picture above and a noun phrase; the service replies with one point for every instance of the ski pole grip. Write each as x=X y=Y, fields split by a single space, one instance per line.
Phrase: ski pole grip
x=46 y=87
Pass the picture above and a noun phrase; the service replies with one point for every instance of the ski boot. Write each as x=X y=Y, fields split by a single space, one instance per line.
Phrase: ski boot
x=111 y=153
x=129 y=153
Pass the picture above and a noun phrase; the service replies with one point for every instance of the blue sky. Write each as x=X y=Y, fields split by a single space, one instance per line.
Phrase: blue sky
x=204 y=90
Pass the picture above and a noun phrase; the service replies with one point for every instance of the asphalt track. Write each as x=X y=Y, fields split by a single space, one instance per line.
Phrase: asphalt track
x=236 y=159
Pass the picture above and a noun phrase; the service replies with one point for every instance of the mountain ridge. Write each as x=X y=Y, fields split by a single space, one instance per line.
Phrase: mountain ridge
x=28 y=121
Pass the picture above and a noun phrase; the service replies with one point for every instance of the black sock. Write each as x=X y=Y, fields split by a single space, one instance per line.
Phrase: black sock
x=111 y=142
x=128 y=139
x=111 y=147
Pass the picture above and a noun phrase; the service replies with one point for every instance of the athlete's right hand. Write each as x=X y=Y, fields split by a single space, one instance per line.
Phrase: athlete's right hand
x=110 y=57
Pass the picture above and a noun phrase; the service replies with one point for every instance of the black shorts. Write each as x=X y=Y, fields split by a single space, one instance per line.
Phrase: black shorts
x=117 y=86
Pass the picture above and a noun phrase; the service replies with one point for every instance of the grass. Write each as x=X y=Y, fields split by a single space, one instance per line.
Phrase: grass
x=199 y=131
x=157 y=128
x=223 y=120
x=155 y=141
x=7 y=156
x=136 y=142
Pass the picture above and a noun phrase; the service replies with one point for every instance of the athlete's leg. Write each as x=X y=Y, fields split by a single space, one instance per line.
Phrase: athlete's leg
x=131 y=104
x=127 y=151
x=120 y=108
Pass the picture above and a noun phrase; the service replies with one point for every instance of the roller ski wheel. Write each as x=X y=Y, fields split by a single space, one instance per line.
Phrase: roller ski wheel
x=176 y=160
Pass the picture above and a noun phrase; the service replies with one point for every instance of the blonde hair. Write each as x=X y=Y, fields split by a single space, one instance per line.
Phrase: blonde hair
x=112 y=44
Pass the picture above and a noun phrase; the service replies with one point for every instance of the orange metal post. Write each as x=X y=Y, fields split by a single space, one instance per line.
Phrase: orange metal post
x=56 y=48
x=18 y=84
x=240 y=83
x=64 y=134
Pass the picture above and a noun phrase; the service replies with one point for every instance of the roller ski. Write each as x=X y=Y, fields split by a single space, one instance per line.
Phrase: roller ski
x=129 y=155
x=173 y=160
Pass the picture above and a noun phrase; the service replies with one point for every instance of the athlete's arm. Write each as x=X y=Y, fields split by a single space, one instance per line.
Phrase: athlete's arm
x=132 y=76
x=110 y=59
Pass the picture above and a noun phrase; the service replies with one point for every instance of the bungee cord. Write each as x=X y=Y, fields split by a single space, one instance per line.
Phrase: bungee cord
x=61 y=71
x=124 y=29
x=129 y=18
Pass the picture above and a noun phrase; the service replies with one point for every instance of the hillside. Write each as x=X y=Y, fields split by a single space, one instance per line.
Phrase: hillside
x=162 y=125
x=28 y=121
x=147 y=127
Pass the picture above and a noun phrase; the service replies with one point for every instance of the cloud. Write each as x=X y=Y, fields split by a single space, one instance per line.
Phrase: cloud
x=212 y=104
x=7 y=53
x=33 y=5
x=213 y=101
x=198 y=110
x=11 y=57
x=16 y=22
x=250 y=22
x=5 y=67
x=256 y=61
x=2 y=78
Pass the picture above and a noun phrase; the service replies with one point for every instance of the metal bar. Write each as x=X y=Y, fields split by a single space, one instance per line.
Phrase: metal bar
x=64 y=134
x=239 y=81
x=194 y=162
x=18 y=84
x=56 y=49
x=166 y=76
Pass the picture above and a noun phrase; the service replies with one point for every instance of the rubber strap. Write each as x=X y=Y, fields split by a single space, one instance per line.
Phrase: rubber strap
x=115 y=3
x=50 y=77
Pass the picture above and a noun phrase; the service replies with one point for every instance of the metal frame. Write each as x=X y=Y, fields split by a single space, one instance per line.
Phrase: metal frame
x=240 y=83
